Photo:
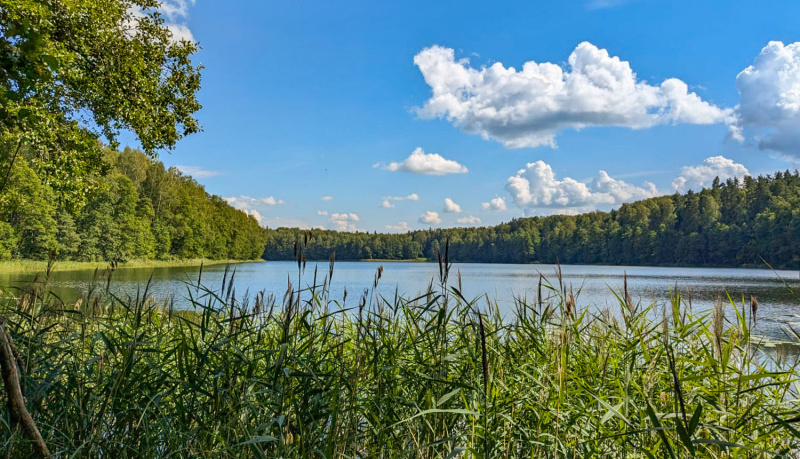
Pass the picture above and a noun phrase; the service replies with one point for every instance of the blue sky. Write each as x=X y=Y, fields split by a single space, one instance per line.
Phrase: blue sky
x=304 y=99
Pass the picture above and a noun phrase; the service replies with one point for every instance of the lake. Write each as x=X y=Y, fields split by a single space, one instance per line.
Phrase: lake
x=591 y=284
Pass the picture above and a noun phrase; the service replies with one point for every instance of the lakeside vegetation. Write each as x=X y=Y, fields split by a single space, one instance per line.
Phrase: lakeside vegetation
x=306 y=375
x=303 y=374
x=732 y=223
x=42 y=266
x=139 y=210
x=74 y=76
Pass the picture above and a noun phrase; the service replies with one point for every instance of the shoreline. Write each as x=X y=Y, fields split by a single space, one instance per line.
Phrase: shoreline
x=390 y=260
x=40 y=265
x=758 y=266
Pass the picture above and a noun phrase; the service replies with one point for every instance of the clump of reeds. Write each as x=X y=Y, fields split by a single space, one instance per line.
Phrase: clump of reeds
x=437 y=376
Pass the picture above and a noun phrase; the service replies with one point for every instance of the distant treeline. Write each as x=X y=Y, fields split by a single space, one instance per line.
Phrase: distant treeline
x=136 y=210
x=732 y=223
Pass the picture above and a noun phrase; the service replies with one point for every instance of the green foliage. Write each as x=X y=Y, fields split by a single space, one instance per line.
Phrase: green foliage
x=435 y=377
x=73 y=71
x=120 y=222
x=27 y=206
x=735 y=223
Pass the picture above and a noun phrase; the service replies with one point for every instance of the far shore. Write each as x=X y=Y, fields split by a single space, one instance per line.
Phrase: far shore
x=41 y=265
x=388 y=260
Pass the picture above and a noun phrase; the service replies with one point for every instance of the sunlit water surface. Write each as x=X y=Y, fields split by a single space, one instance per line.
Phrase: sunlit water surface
x=594 y=286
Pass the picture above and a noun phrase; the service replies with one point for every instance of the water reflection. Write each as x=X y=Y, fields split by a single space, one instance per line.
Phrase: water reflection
x=593 y=285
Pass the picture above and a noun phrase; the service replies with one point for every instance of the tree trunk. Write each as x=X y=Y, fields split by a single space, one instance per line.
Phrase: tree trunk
x=16 y=402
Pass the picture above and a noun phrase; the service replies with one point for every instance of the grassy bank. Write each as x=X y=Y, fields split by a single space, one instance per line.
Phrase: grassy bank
x=306 y=375
x=37 y=265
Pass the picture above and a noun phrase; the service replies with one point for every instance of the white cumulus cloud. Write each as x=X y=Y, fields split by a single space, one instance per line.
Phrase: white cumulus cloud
x=425 y=163
x=246 y=202
x=450 y=206
x=400 y=227
x=175 y=14
x=536 y=186
x=495 y=204
x=769 y=98
x=696 y=177
x=322 y=213
x=471 y=220
x=387 y=201
x=287 y=222
x=255 y=214
x=528 y=107
x=327 y=198
x=430 y=218
x=345 y=221
x=411 y=197
x=196 y=171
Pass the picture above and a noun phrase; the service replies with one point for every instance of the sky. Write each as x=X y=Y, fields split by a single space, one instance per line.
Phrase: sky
x=395 y=116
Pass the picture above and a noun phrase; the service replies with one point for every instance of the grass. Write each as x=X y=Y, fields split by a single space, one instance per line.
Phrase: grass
x=40 y=266
x=303 y=375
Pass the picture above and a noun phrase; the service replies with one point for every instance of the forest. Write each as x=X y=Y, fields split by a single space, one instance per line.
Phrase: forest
x=743 y=222
x=136 y=209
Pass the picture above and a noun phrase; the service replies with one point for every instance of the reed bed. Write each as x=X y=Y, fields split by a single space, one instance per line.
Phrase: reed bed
x=305 y=375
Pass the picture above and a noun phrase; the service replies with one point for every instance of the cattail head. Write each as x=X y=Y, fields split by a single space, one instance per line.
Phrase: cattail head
x=330 y=265
x=718 y=323
x=628 y=299
x=570 y=302
x=753 y=307
x=540 y=290
x=559 y=274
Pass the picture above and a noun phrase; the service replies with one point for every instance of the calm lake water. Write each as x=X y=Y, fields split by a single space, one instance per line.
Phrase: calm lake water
x=592 y=284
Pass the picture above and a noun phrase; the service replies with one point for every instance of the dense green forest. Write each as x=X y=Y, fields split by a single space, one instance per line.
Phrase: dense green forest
x=136 y=209
x=732 y=223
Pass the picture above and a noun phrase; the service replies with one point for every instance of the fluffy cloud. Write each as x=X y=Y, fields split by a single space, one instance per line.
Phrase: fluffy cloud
x=246 y=202
x=536 y=186
x=411 y=197
x=769 y=98
x=345 y=222
x=175 y=14
x=196 y=171
x=327 y=198
x=527 y=108
x=287 y=222
x=471 y=220
x=400 y=227
x=255 y=214
x=425 y=163
x=323 y=213
x=450 y=206
x=387 y=201
x=495 y=204
x=696 y=177
x=430 y=218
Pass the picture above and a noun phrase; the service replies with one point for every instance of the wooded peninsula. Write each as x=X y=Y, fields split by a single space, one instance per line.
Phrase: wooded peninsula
x=136 y=210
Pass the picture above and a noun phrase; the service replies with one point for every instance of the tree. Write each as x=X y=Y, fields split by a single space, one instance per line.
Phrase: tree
x=76 y=71
x=733 y=223
x=28 y=208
